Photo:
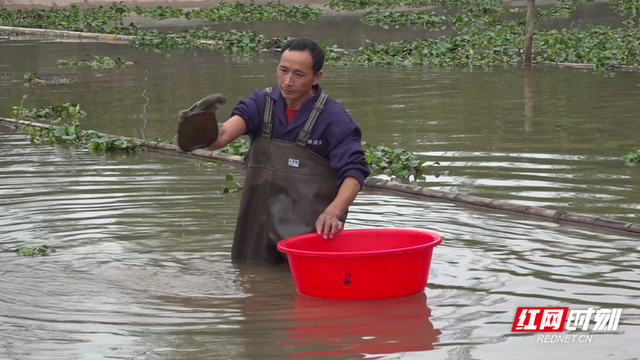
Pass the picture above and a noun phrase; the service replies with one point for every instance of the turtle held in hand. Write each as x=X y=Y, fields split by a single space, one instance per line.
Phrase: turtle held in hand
x=198 y=127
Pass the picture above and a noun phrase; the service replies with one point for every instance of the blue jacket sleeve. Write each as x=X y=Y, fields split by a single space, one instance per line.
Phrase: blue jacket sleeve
x=251 y=109
x=347 y=158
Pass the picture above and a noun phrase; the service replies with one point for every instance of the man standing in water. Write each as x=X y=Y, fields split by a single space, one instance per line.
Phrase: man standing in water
x=306 y=164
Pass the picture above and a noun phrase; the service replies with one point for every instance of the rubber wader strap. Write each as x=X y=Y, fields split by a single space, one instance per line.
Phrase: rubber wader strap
x=268 y=125
x=305 y=133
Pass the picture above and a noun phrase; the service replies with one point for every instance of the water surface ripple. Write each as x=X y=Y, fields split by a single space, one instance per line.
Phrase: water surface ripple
x=142 y=271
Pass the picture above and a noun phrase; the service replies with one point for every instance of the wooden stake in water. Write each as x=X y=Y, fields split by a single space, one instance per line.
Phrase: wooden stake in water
x=528 y=100
x=531 y=10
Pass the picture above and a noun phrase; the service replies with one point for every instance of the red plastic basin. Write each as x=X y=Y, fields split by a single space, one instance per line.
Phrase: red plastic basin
x=361 y=263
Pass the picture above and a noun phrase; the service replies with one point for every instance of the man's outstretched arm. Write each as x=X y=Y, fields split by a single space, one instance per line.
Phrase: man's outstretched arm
x=231 y=130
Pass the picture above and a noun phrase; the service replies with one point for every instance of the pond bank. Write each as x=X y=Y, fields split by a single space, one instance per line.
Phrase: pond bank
x=375 y=183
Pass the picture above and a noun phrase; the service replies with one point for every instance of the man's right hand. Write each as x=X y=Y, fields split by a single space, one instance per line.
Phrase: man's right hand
x=231 y=130
x=328 y=225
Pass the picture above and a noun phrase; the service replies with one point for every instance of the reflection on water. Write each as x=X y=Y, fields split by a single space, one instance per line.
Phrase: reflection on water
x=360 y=327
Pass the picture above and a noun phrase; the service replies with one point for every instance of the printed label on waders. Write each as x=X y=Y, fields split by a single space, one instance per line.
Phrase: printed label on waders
x=294 y=162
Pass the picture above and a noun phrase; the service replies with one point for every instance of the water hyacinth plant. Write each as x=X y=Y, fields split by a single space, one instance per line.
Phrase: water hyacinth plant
x=159 y=12
x=97 y=19
x=229 y=180
x=630 y=9
x=632 y=157
x=33 y=251
x=399 y=163
x=233 y=41
x=598 y=45
x=33 y=79
x=238 y=147
x=64 y=128
x=56 y=134
x=255 y=12
x=103 y=144
x=110 y=19
x=415 y=19
x=97 y=62
x=58 y=111
x=483 y=36
x=378 y=4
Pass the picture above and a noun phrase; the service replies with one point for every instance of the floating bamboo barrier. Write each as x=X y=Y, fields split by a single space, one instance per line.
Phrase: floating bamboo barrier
x=126 y=39
x=375 y=183
x=96 y=37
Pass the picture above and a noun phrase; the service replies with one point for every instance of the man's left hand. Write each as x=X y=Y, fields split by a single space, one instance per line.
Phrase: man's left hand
x=328 y=225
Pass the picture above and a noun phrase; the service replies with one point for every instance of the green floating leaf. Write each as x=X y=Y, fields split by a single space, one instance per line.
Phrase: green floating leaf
x=61 y=130
x=32 y=251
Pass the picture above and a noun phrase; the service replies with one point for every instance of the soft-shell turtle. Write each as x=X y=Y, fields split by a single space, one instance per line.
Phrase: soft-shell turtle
x=198 y=127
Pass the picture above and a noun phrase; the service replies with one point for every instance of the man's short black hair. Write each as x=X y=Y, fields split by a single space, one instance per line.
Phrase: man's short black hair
x=317 y=55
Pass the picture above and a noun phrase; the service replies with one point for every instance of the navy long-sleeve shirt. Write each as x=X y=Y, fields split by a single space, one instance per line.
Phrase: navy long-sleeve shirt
x=335 y=135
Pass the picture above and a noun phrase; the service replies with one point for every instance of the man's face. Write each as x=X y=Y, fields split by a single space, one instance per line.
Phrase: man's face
x=295 y=76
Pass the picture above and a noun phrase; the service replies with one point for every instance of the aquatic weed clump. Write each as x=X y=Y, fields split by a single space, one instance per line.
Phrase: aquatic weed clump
x=481 y=48
x=598 y=45
x=627 y=8
x=351 y=5
x=415 y=19
x=466 y=19
x=159 y=12
x=156 y=39
x=246 y=11
x=254 y=12
x=64 y=128
x=110 y=19
x=233 y=41
x=35 y=250
x=31 y=79
x=97 y=62
x=58 y=111
x=477 y=7
x=631 y=158
x=57 y=132
x=484 y=37
x=399 y=163
x=98 y=19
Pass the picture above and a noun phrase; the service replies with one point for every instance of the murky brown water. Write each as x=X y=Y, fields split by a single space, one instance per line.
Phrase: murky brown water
x=563 y=152
x=142 y=269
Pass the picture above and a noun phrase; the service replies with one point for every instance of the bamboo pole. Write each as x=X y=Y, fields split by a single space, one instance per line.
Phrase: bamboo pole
x=531 y=16
x=375 y=183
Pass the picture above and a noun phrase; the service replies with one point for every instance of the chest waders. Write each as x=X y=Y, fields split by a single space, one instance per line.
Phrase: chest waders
x=287 y=186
